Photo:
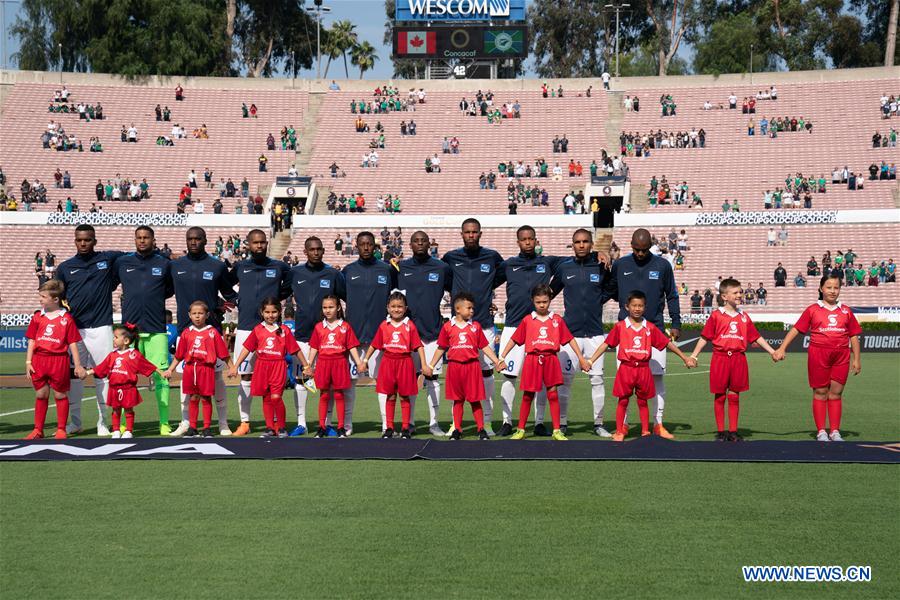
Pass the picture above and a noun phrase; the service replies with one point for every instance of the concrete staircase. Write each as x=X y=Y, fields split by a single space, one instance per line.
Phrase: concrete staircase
x=321 y=205
x=638 y=198
x=308 y=133
x=616 y=114
x=279 y=244
x=603 y=239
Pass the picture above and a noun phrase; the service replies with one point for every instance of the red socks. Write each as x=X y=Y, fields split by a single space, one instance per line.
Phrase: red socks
x=129 y=420
x=116 y=419
x=553 y=401
x=405 y=411
x=835 y=407
x=734 y=408
x=719 y=409
x=621 y=411
x=193 y=410
x=323 y=409
x=268 y=412
x=389 y=407
x=207 y=413
x=339 y=407
x=819 y=408
x=40 y=413
x=457 y=415
x=278 y=407
x=478 y=413
x=525 y=408
x=62 y=412
x=644 y=412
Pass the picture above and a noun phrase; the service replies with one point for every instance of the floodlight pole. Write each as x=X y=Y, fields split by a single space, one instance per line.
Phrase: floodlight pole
x=618 y=7
x=318 y=10
x=59 y=46
x=751 y=64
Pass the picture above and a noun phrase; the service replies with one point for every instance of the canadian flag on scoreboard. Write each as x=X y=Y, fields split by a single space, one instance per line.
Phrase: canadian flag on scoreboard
x=416 y=42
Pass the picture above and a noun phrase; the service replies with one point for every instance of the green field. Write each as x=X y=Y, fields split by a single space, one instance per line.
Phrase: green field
x=359 y=529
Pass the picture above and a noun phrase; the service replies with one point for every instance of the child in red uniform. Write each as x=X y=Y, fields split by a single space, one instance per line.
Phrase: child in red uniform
x=51 y=335
x=833 y=352
x=122 y=367
x=398 y=338
x=272 y=341
x=199 y=346
x=332 y=340
x=461 y=338
x=634 y=337
x=731 y=332
x=542 y=333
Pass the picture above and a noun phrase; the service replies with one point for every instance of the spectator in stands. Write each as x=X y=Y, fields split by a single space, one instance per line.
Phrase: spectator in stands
x=812 y=267
x=780 y=276
x=761 y=294
x=873 y=273
x=270 y=142
x=253 y=111
x=412 y=127
x=179 y=93
x=230 y=189
x=783 y=235
x=696 y=303
x=263 y=161
x=245 y=187
x=292 y=172
x=800 y=281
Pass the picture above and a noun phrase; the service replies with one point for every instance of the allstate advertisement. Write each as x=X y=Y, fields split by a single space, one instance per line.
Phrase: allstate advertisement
x=13 y=340
x=460 y=10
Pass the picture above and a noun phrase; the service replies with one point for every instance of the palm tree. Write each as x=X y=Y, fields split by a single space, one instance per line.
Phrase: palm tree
x=363 y=56
x=341 y=38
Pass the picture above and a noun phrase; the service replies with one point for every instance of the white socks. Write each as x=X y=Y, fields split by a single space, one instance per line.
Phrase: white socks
x=244 y=400
x=433 y=387
x=488 y=404
x=508 y=396
x=76 y=395
x=382 y=405
x=349 y=401
x=598 y=397
x=300 y=396
x=659 y=382
x=221 y=401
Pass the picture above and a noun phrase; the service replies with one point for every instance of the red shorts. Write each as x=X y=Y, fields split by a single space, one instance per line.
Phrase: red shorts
x=539 y=371
x=52 y=370
x=269 y=377
x=728 y=371
x=464 y=381
x=199 y=379
x=397 y=374
x=332 y=372
x=634 y=380
x=825 y=365
x=123 y=396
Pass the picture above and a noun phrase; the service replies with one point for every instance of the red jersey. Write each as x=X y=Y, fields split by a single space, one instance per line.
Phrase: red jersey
x=333 y=339
x=271 y=344
x=398 y=339
x=635 y=343
x=729 y=333
x=462 y=341
x=201 y=346
x=828 y=327
x=542 y=336
x=122 y=367
x=52 y=335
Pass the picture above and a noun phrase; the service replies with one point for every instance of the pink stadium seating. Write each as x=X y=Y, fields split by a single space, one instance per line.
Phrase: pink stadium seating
x=232 y=150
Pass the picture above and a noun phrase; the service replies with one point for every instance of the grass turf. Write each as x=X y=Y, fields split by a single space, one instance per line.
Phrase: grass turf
x=346 y=529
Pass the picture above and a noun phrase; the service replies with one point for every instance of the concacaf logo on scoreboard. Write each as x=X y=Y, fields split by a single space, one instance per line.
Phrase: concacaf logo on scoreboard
x=460 y=10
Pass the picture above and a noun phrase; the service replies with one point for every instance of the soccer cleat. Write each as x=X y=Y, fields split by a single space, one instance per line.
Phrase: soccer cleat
x=348 y=431
x=225 y=430
x=484 y=435
x=298 y=431
x=207 y=432
x=321 y=433
x=282 y=433
x=822 y=436
x=488 y=430
x=102 y=430
x=60 y=434
x=559 y=436
x=518 y=435
x=721 y=436
x=268 y=433
x=455 y=435
x=387 y=434
x=165 y=429
x=734 y=436
x=540 y=430
x=436 y=430
x=618 y=436
x=180 y=430
x=645 y=433
x=127 y=435
x=836 y=436
x=341 y=432
x=505 y=430
x=116 y=435
x=564 y=428
x=35 y=434
x=601 y=432
x=404 y=434
x=243 y=429
x=192 y=433
x=330 y=431
x=662 y=432
x=72 y=429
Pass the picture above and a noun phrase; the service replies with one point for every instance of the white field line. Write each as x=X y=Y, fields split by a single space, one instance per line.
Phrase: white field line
x=52 y=406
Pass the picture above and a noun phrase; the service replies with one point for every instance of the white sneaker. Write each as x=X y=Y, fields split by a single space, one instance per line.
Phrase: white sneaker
x=72 y=429
x=601 y=431
x=489 y=430
x=127 y=435
x=436 y=430
x=836 y=436
x=822 y=436
x=115 y=435
x=181 y=430
x=224 y=429
x=102 y=430
x=348 y=432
